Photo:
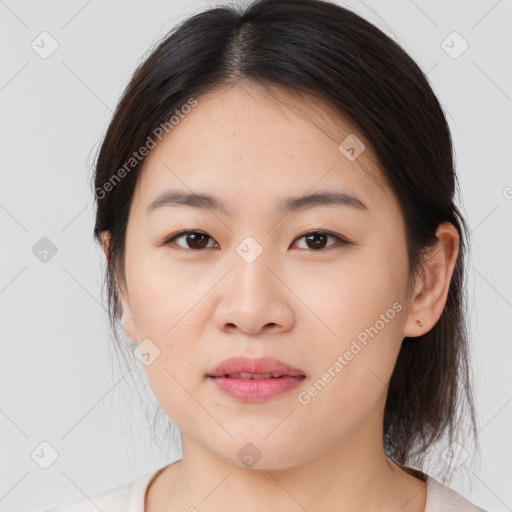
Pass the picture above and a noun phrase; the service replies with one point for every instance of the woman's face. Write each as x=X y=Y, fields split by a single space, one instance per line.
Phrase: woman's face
x=252 y=283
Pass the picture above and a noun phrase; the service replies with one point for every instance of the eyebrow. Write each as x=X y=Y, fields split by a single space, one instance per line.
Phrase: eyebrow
x=301 y=203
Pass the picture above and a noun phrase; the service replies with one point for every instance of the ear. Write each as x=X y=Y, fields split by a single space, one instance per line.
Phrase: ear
x=105 y=243
x=431 y=290
x=127 y=317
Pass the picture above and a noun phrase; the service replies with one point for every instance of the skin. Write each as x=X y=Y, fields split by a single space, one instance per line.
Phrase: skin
x=297 y=303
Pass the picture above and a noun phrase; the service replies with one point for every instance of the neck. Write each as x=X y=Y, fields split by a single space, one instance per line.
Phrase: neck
x=348 y=478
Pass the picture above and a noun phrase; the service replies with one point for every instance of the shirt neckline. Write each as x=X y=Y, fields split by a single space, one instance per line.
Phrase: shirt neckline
x=137 y=499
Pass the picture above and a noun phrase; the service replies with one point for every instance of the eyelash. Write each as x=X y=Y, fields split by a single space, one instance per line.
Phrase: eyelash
x=341 y=241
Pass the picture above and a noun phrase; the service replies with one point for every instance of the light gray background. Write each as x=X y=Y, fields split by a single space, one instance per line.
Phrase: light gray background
x=59 y=379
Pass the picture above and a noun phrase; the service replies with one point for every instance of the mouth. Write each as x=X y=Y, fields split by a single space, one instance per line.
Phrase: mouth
x=255 y=380
x=241 y=367
x=255 y=376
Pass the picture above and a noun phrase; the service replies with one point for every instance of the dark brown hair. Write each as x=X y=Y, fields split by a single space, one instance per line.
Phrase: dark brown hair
x=320 y=49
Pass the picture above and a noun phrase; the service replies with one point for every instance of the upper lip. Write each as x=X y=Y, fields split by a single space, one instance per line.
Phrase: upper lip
x=242 y=364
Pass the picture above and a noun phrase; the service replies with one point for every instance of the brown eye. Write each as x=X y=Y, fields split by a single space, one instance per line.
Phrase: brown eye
x=193 y=240
x=317 y=240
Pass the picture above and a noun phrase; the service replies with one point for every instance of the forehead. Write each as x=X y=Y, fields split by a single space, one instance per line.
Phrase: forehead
x=246 y=143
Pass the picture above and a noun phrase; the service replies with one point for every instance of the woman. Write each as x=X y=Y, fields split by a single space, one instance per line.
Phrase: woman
x=275 y=201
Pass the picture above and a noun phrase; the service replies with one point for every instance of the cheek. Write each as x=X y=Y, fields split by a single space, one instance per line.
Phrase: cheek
x=346 y=298
x=357 y=329
x=164 y=299
x=175 y=376
x=173 y=393
x=350 y=378
x=163 y=312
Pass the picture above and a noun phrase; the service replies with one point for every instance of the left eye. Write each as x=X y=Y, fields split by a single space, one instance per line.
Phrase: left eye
x=198 y=240
x=317 y=239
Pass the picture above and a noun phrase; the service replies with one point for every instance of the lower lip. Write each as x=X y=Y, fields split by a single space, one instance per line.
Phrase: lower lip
x=255 y=390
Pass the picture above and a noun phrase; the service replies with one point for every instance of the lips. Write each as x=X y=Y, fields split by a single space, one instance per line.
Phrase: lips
x=240 y=367
x=255 y=376
x=255 y=380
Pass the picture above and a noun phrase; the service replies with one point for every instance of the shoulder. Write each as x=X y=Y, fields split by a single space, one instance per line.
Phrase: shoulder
x=441 y=498
x=125 y=498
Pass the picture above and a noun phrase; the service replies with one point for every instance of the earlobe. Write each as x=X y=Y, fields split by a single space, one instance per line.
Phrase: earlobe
x=105 y=243
x=432 y=287
x=127 y=318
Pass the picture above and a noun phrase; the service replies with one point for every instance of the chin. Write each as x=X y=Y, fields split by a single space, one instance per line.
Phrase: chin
x=259 y=452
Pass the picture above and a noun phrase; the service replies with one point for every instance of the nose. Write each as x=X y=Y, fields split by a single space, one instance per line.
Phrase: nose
x=254 y=297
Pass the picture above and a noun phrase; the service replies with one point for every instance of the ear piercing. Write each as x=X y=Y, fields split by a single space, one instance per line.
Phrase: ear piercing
x=419 y=322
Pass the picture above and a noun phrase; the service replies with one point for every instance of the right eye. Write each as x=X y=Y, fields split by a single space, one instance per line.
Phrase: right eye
x=194 y=240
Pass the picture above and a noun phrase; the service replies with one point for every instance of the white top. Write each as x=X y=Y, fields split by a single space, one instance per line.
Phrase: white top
x=130 y=498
